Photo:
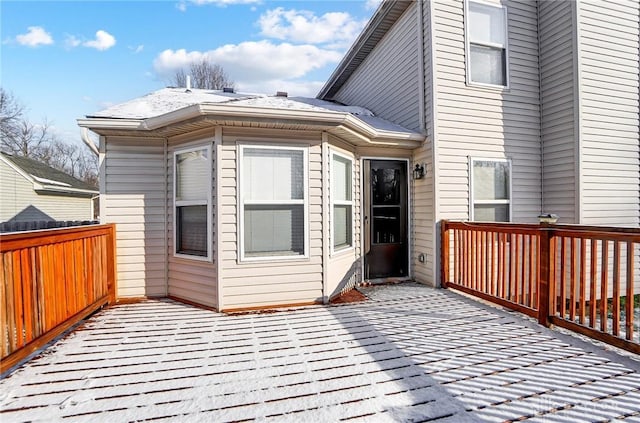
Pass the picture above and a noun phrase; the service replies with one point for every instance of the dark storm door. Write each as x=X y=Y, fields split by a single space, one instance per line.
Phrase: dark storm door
x=385 y=220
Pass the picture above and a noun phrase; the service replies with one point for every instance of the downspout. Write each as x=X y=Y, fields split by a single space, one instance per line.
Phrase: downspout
x=217 y=205
x=166 y=215
x=540 y=112
x=577 y=112
x=84 y=134
x=434 y=149
x=423 y=126
x=421 y=74
x=325 y=217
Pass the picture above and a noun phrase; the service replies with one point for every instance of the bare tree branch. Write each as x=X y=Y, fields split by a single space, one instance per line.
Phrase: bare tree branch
x=204 y=74
x=21 y=137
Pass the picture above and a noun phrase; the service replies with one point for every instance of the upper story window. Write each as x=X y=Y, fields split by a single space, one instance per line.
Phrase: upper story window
x=192 y=202
x=342 y=202
x=490 y=190
x=273 y=202
x=487 y=53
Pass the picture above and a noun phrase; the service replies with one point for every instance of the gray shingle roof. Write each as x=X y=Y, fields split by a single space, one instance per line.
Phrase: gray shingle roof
x=41 y=170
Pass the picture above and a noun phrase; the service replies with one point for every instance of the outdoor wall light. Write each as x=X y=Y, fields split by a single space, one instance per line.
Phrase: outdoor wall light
x=418 y=171
x=548 y=218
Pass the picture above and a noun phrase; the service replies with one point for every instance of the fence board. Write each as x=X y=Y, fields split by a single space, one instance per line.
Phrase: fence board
x=45 y=284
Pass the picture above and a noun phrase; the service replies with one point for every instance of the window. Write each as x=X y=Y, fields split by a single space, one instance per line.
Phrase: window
x=491 y=190
x=192 y=202
x=486 y=44
x=273 y=202
x=342 y=202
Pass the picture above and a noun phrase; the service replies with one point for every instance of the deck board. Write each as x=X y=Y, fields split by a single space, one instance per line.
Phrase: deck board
x=410 y=353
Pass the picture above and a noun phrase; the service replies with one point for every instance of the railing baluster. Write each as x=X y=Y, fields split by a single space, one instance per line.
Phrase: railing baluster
x=483 y=261
x=583 y=288
x=563 y=278
x=604 y=275
x=572 y=282
x=616 y=289
x=593 y=302
x=493 y=263
x=629 y=310
x=532 y=244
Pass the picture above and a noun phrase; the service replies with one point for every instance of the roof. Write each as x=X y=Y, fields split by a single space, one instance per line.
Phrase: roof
x=382 y=20
x=171 y=111
x=48 y=178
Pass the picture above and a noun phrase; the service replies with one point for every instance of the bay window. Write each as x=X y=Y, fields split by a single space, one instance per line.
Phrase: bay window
x=192 y=202
x=273 y=202
x=486 y=36
x=490 y=190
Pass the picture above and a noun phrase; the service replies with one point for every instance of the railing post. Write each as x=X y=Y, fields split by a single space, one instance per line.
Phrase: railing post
x=444 y=253
x=111 y=264
x=546 y=275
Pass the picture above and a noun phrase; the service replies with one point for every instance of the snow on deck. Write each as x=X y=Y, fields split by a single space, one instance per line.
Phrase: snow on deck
x=409 y=354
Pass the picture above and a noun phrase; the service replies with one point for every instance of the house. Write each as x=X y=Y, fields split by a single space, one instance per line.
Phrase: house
x=528 y=107
x=238 y=201
x=33 y=191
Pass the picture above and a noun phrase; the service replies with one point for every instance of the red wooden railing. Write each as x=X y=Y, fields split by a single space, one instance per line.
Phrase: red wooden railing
x=583 y=278
x=49 y=281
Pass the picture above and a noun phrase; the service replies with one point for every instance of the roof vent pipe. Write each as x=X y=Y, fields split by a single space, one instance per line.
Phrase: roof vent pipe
x=282 y=94
x=188 y=83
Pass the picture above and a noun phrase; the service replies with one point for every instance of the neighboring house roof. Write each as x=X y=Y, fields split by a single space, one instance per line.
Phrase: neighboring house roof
x=46 y=178
x=171 y=111
x=382 y=20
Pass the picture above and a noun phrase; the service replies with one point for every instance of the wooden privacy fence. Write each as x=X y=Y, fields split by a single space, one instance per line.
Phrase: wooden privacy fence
x=583 y=278
x=49 y=281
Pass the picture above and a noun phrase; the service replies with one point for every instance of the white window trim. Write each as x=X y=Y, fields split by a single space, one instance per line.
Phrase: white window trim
x=241 y=202
x=333 y=202
x=180 y=203
x=467 y=46
x=473 y=201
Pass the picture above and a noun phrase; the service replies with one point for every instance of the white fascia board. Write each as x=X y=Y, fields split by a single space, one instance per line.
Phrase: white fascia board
x=381 y=135
x=50 y=188
x=324 y=118
x=18 y=169
x=111 y=123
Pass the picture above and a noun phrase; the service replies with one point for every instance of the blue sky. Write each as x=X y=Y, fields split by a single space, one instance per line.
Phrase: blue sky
x=66 y=59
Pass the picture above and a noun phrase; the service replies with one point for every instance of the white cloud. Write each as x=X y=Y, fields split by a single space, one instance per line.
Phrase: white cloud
x=251 y=62
x=303 y=26
x=182 y=5
x=71 y=41
x=36 y=36
x=372 y=4
x=137 y=49
x=103 y=41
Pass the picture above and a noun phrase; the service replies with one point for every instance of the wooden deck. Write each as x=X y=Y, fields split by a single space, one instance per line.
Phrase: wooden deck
x=409 y=354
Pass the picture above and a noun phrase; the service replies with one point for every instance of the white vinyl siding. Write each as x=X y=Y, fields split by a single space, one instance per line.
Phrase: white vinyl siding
x=609 y=70
x=192 y=202
x=422 y=190
x=189 y=279
x=134 y=197
x=481 y=122
x=387 y=81
x=259 y=283
x=559 y=108
x=18 y=197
